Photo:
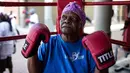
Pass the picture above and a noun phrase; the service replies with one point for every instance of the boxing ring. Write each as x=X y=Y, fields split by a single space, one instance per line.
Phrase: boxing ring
x=16 y=4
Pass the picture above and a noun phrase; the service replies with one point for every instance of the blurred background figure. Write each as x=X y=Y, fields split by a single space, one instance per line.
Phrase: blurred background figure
x=13 y=17
x=6 y=47
x=13 y=22
x=116 y=13
x=126 y=34
x=33 y=17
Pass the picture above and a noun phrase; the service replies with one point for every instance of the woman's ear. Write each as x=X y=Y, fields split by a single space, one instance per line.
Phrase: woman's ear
x=81 y=24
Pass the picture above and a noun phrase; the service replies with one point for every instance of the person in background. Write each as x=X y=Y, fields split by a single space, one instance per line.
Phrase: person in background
x=6 y=47
x=126 y=35
x=33 y=18
x=126 y=30
x=13 y=22
x=64 y=53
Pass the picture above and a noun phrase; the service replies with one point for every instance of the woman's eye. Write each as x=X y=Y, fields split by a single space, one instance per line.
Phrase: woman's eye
x=64 y=17
x=74 y=19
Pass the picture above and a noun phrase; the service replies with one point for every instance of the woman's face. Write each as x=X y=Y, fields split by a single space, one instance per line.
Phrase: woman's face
x=70 y=23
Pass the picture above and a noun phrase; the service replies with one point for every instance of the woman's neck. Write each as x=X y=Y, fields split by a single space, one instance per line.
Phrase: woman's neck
x=70 y=38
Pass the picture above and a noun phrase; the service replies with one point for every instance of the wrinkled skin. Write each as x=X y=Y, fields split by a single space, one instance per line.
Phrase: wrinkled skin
x=70 y=27
x=70 y=23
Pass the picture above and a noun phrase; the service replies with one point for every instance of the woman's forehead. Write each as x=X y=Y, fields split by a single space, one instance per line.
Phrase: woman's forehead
x=71 y=13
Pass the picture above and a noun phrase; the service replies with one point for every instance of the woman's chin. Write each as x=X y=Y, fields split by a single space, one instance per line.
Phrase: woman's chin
x=67 y=32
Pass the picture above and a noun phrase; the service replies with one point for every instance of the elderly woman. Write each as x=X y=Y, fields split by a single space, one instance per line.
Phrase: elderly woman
x=64 y=53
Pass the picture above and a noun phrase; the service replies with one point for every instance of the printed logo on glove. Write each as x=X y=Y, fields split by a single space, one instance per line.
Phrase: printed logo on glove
x=25 y=46
x=103 y=58
x=39 y=32
x=99 y=44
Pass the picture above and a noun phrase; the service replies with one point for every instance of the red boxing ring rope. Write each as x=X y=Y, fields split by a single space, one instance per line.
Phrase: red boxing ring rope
x=108 y=3
x=9 y=4
x=12 y=37
x=18 y=37
x=52 y=33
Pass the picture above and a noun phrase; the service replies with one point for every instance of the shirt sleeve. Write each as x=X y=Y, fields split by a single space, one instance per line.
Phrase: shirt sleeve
x=2 y=29
x=1 y=33
x=91 y=63
x=34 y=18
x=41 y=52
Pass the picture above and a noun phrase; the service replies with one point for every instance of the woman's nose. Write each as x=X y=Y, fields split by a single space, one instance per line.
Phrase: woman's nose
x=68 y=20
